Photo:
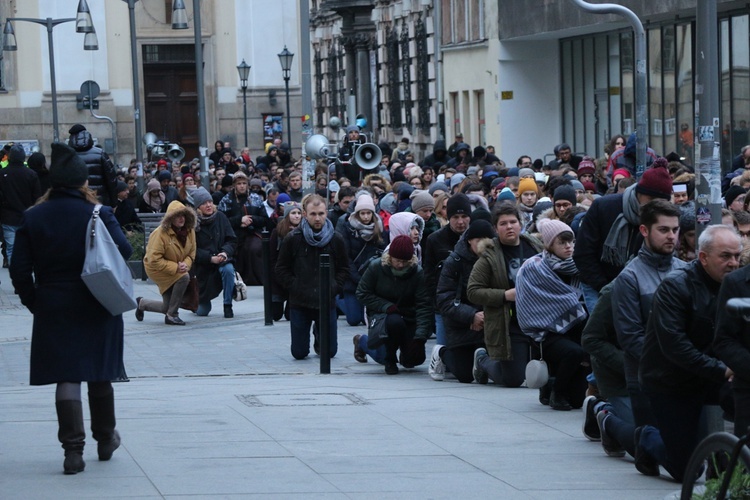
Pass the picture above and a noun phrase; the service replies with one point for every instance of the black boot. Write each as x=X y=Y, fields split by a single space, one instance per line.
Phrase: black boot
x=71 y=434
x=228 y=312
x=103 y=424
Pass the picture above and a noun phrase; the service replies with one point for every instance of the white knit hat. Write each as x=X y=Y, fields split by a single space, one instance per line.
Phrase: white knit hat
x=364 y=202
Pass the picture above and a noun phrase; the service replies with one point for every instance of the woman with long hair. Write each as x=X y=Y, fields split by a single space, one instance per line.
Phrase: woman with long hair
x=74 y=338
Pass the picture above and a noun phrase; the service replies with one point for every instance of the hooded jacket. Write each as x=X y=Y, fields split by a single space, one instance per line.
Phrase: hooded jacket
x=164 y=252
x=625 y=157
x=439 y=155
x=19 y=189
x=102 y=173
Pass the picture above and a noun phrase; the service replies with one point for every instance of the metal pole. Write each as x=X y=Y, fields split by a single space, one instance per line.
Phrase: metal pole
x=288 y=117
x=306 y=70
x=324 y=318
x=707 y=126
x=136 y=97
x=641 y=96
x=244 y=111
x=267 y=299
x=202 y=134
x=53 y=84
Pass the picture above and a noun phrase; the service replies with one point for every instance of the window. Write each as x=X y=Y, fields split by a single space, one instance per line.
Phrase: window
x=463 y=21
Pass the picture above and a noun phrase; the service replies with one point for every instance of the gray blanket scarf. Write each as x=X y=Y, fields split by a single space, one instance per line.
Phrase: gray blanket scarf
x=615 y=249
x=319 y=239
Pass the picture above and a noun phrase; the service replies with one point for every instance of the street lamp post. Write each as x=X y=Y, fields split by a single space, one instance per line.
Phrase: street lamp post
x=136 y=94
x=244 y=71
x=179 y=22
x=285 y=57
x=83 y=25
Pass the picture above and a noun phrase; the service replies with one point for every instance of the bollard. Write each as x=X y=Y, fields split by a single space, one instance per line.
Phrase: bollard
x=324 y=317
x=267 y=301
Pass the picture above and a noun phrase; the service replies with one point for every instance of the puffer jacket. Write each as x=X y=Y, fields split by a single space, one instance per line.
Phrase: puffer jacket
x=380 y=289
x=487 y=284
x=452 y=298
x=677 y=357
x=102 y=173
x=164 y=252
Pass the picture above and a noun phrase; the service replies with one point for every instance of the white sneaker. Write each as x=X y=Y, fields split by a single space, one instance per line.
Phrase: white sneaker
x=437 y=367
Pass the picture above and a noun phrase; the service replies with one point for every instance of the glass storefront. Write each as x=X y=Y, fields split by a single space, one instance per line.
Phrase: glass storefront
x=597 y=88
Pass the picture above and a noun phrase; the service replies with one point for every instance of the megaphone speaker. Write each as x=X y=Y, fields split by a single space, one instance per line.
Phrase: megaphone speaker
x=368 y=156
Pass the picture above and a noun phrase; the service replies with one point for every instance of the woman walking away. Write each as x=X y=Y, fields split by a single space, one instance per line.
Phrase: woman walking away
x=74 y=338
x=169 y=256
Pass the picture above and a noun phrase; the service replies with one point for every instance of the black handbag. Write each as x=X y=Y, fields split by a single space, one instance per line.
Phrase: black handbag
x=376 y=331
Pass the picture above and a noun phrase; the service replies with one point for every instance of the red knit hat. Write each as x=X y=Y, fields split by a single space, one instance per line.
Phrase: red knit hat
x=656 y=181
x=586 y=166
x=621 y=171
x=401 y=248
x=589 y=186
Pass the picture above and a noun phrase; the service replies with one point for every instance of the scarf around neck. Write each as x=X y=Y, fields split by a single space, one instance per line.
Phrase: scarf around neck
x=181 y=234
x=615 y=250
x=204 y=219
x=319 y=239
x=364 y=231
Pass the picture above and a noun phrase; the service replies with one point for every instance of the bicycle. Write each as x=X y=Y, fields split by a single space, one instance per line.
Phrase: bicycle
x=720 y=445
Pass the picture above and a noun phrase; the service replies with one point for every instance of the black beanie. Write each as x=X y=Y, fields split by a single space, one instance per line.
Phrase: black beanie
x=479 y=229
x=17 y=155
x=565 y=192
x=481 y=214
x=67 y=169
x=120 y=187
x=732 y=193
x=76 y=128
x=37 y=161
x=458 y=204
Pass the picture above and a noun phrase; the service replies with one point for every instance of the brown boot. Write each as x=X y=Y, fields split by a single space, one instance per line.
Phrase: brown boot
x=71 y=434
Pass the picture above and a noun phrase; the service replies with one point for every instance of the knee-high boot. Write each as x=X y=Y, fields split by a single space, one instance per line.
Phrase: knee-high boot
x=71 y=434
x=103 y=424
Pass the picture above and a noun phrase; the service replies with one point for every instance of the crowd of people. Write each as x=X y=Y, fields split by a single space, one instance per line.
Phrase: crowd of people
x=585 y=262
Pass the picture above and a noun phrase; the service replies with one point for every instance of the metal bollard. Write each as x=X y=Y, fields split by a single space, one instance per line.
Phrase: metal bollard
x=267 y=304
x=324 y=316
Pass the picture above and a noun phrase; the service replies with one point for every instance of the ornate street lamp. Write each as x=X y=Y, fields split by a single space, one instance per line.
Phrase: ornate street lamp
x=243 y=69
x=285 y=58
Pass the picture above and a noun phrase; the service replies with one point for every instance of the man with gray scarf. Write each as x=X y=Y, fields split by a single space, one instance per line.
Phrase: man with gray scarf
x=609 y=236
x=297 y=269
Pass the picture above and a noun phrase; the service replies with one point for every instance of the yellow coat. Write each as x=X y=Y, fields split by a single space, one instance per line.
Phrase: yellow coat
x=164 y=252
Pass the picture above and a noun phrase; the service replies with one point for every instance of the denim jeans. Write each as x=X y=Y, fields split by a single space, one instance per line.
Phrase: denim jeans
x=440 y=337
x=300 y=321
x=227 y=282
x=9 y=234
x=354 y=311
x=590 y=296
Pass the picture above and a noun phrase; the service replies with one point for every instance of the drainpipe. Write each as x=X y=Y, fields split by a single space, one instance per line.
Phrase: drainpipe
x=438 y=31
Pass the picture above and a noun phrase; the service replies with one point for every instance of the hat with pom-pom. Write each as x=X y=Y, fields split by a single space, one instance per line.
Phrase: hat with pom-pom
x=656 y=181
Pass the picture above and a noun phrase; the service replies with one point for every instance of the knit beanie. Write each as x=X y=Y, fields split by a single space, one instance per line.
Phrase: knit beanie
x=291 y=205
x=255 y=181
x=586 y=166
x=540 y=207
x=282 y=198
x=165 y=176
x=226 y=181
x=565 y=193
x=153 y=185
x=526 y=172
x=67 y=169
x=401 y=248
x=497 y=181
x=439 y=186
x=458 y=204
x=729 y=197
x=120 y=187
x=506 y=195
x=457 y=179
x=479 y=229
x=621 y=171
x=589 y=186
x=364 y=202
x=17 y=155
x=687 y=217
x=550 y=229
x=480 y=214
x=527 y=184
x=656 y=181
x=36 y=161
x=422 y=200
x=577 y=185
x=200 y=196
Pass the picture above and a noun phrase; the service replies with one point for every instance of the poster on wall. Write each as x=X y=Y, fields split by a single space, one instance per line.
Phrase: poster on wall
x=272 y=128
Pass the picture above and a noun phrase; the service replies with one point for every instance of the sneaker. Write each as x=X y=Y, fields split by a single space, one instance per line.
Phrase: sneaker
x=480 y=376
x=437 y=367
x=359 y=353
x=391 y=368
x=138 y=310
x=590 y=427
x=645 y=463
x=559 y=403
x=611 y=447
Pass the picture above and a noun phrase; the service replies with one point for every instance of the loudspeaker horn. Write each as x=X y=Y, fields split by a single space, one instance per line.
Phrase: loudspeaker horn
x=368 y=156
x=175 y=153
x=317 y=147
x=149 y=139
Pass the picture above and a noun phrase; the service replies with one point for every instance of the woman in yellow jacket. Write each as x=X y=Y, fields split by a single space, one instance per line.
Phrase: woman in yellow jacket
x=169 y=256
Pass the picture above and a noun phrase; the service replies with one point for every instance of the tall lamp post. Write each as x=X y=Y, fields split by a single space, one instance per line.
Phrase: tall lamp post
x=83 y=25
x=179 y=22
x=244 y=71
x=136 y=94
x=285 y=57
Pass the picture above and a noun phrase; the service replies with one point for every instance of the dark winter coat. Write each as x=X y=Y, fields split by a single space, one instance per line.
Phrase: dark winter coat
x=591 y=237
x=126 y=215
x=379 y=289
x=212 y=239
x=74 y=338
x=732 y=339
x=677 y=357
x=438 y=246
x=453 y=300
x=298 y=266
x=19 y=189
x=439 y=155
x=235 y=208
x=359 y=252
x=102 y=173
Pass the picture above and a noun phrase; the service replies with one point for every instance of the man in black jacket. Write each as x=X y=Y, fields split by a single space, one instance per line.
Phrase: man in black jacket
x=19 y=189
x=102 y=173
x=297 y=268
x=678 y=371
x=216 y=243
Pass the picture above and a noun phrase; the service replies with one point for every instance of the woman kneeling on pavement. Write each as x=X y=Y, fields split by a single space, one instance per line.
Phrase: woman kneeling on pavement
x=169 y=256
x=394 y=285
